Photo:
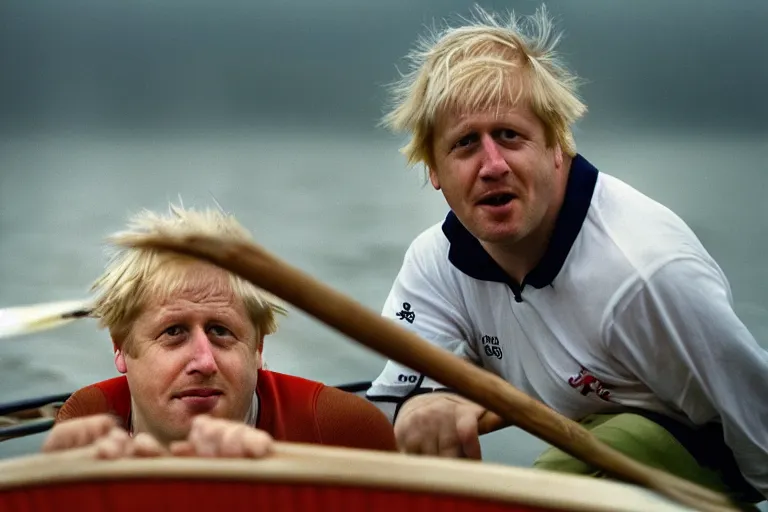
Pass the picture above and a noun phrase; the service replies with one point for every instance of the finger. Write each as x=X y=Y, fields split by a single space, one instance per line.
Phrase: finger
x=114 y=445
x=232 y=440
x=431 y=431
x=144 y=445
x=182 y=449
x=93 y=428
x=99 y=425
x=78 y=432
x=205 y=436
x=411 y=430
x=415 y=420
x=239 y=440
x=447 y=441
x=59 y=438
x=489 y=422
x=430 y=444
x=258 y=443
x=420 y=442
x=410 y=442
x=467 y=431
x=402 y=434
x=83 y=435
x=197 y=434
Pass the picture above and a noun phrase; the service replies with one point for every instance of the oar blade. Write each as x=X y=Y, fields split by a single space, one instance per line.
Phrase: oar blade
x=21 y=320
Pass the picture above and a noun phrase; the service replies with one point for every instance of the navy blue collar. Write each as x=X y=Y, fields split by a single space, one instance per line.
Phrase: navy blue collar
x=467 y=255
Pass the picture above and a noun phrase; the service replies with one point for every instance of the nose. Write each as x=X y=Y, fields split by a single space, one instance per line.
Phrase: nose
x=493 y=165
x=202 y=360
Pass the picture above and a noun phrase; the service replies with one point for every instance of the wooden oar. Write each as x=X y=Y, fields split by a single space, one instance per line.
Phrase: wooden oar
x=384 y=336
x=21 y=320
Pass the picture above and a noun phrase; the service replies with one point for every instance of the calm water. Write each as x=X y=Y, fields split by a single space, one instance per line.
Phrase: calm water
x=342 y=207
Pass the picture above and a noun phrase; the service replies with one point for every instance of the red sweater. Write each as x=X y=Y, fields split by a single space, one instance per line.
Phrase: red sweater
x=290 y=408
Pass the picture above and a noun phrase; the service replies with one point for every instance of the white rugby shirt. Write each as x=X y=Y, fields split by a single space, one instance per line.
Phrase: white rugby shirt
x=626 y=309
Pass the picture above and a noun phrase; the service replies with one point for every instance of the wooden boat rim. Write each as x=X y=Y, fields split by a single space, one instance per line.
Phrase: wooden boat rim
x=294 y=463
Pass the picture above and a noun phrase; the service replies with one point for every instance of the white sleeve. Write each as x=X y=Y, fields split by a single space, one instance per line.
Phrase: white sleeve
x=423 y=299
x=677 y=331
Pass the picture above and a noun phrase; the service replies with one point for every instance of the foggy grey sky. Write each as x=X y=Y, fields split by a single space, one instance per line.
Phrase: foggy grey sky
x=84 y=64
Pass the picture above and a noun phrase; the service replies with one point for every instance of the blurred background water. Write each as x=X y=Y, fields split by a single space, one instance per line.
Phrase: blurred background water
x=271 y=108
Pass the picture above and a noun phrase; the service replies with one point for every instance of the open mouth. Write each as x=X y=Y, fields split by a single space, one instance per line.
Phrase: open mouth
x=497 y=199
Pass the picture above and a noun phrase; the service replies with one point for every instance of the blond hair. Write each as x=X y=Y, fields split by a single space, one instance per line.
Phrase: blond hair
x=134 y=276
x=485 y=64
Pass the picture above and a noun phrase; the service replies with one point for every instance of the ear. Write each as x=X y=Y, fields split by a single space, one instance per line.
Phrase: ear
x=120 y=361
x=433 y=178
x=558 y=156
x=259 y=352
x=117 y=342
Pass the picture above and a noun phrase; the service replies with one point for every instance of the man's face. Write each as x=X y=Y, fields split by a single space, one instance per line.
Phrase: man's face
x=195 y=352
x=496 y=172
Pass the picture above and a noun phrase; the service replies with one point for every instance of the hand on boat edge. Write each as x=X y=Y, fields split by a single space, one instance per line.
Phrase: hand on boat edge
x=102 y=438
x=215 y=437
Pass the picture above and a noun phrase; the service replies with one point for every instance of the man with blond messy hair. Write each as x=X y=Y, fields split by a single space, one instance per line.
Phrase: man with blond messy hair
x=188 y=337
x=565 y=281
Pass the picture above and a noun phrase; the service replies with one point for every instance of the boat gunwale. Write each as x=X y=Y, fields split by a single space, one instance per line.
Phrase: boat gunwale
x=346 y=467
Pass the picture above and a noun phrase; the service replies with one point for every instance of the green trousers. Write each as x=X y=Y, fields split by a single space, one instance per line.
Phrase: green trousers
x=646 y=441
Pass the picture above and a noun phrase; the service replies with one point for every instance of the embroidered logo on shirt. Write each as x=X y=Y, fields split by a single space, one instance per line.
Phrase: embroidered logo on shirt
x=491 y=346
x=406 y=314
x=587 y=383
